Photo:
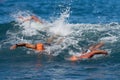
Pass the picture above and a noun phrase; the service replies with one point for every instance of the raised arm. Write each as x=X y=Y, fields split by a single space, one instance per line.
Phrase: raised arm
x=30 y=18
x=36 y=19
x=96 y=46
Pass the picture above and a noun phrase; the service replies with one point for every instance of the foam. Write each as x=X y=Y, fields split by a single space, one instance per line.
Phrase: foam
x=76 y=36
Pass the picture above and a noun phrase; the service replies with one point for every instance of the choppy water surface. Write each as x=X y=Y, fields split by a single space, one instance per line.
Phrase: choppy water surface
x=80 y=22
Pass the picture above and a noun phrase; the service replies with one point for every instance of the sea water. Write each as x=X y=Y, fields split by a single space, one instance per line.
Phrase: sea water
x=80 y=23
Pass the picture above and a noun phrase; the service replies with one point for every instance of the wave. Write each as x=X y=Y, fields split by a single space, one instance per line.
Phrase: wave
x=77 y=37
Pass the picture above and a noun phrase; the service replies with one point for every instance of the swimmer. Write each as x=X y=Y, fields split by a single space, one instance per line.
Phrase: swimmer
x=38 y=47
x=31 y=18
x=93 y=50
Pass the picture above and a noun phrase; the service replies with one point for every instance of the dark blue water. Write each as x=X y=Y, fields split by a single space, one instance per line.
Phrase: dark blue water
x=82 y=22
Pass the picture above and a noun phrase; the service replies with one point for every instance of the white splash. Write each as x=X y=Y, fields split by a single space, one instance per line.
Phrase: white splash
x=30 y=27
x=111 y=39
x=74 y=33
x=60 y=26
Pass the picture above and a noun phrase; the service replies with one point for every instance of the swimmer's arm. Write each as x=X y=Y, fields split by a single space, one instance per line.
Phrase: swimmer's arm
x=23 y=45
x=24 y=20
x=30 y=18
x=27 y=19
x=36 y=19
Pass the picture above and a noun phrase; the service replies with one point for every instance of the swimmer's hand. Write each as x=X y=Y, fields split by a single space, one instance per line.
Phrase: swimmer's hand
x=13 y=47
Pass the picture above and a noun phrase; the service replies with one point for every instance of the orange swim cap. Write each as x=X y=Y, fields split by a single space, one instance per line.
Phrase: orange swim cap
x=73 y=58
x=40 y=47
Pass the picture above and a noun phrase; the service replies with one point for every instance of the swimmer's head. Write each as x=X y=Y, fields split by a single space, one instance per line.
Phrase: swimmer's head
x=39 y=47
